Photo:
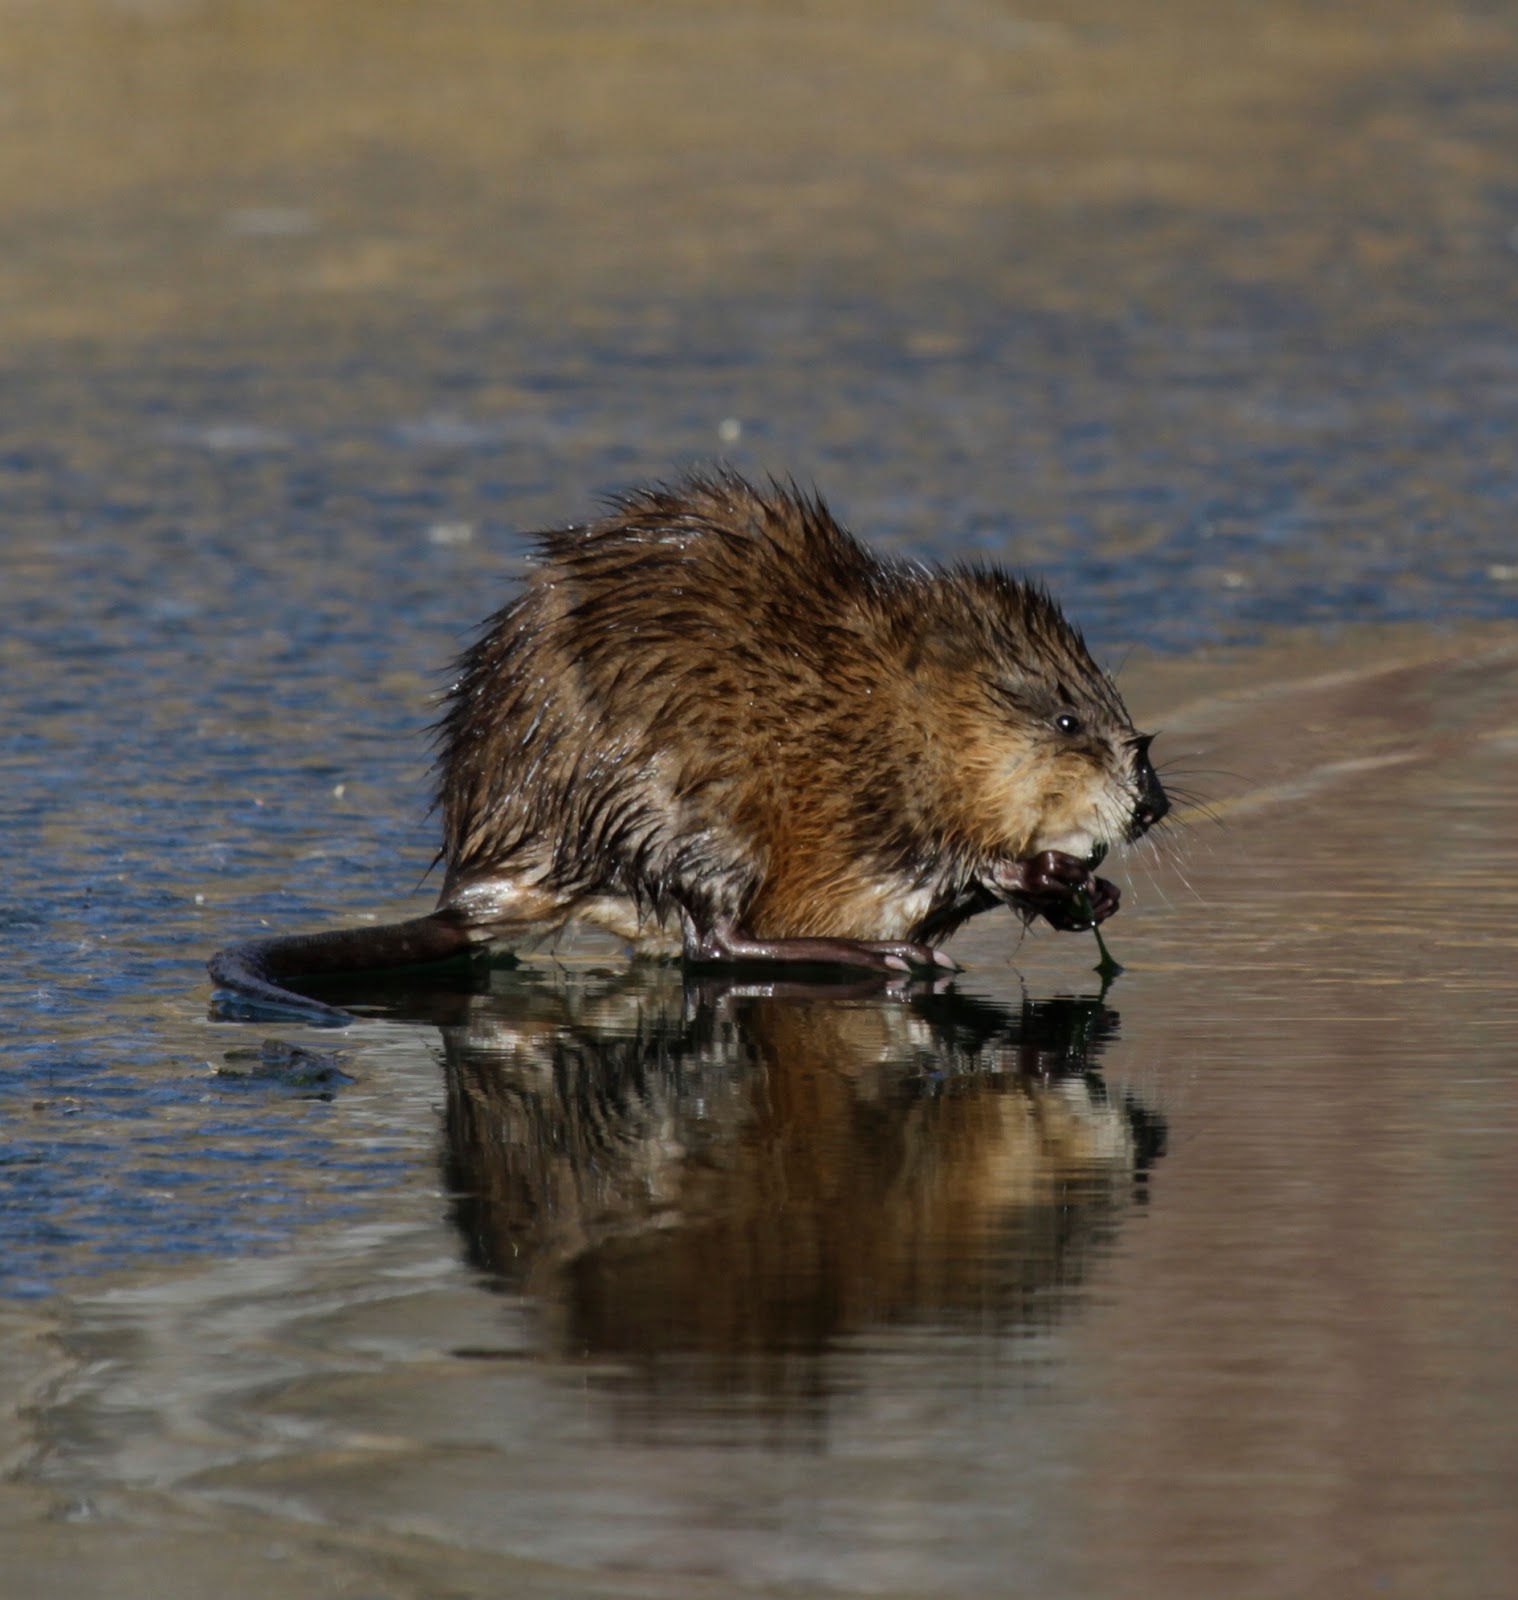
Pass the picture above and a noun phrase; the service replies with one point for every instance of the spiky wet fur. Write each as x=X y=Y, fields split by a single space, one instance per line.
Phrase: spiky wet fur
x=715 y=705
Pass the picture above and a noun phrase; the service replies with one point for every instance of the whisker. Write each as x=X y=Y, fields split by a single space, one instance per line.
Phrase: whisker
x=1148 y=860
x=1171 y=770
x=1171 y=850
x=1196 y=805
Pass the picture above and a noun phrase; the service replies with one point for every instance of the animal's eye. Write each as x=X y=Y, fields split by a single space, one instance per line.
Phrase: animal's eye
x=1068 y=722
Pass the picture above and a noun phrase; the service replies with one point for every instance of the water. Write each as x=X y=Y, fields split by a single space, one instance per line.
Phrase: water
x=591 y=1284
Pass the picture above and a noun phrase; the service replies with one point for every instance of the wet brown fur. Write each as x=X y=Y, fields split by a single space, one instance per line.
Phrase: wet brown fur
x=715 y=702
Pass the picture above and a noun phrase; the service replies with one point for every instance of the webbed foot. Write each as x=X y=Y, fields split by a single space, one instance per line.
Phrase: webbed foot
x=722 y=942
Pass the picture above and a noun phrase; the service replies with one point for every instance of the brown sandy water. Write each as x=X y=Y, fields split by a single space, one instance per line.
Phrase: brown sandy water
x=587 y=1283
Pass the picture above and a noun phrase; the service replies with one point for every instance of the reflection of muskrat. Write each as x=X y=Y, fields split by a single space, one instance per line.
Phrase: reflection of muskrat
x=713 y=1184
x=714 y=705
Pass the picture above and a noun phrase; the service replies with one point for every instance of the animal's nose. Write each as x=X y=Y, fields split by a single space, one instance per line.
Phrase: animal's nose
x=1152 y=802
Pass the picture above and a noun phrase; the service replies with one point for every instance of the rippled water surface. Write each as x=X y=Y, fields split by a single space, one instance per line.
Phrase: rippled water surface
x=587 y=1281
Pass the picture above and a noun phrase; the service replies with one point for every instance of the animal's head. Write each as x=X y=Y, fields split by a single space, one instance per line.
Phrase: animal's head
x=1034 y=747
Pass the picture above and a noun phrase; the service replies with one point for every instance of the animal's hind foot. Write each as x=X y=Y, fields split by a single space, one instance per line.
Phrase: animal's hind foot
x=725 y=943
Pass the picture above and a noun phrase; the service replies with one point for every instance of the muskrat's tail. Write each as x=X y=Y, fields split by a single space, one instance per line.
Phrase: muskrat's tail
x=255 y=972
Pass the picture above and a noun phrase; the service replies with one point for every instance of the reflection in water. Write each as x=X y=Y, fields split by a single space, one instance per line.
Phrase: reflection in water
x=712 y=1184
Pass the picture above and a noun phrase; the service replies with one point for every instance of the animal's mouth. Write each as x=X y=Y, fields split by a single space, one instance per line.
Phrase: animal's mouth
x=1146 y=813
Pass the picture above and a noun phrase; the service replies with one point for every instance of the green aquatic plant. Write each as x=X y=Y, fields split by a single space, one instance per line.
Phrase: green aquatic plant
x=1106 y=968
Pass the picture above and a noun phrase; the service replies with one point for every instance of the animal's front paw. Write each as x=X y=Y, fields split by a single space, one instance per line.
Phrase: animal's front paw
x=1060 y=888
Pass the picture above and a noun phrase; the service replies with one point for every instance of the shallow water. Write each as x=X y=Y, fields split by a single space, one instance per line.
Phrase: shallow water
x=587 y=1283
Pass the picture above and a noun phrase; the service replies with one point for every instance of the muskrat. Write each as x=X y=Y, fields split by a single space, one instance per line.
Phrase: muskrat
x=714 y=708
